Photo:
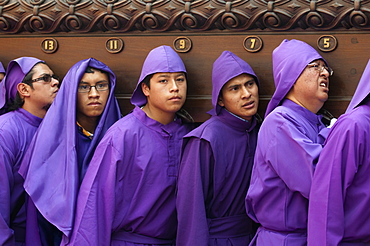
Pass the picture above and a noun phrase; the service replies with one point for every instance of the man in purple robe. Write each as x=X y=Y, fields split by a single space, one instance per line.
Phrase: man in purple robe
x=217 y=161
x=128 y=194
x=2 y=71
x=339 y=208
x=289 y=143
x=27 y=92
x=63 y=146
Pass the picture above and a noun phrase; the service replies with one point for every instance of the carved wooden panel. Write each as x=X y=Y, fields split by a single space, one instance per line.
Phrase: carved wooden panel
x=122 y=16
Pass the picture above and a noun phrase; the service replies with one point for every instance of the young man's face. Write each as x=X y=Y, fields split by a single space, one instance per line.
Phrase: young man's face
x=312 y=87
x=240 y=96
x=91 y=104
x=167 y=92
x=43 y=93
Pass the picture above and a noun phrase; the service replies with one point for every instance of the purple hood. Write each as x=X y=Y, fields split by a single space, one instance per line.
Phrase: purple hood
x=363 y=89
x=162 y=59
x=226 y=67
x=17 y=70
x=289 y=60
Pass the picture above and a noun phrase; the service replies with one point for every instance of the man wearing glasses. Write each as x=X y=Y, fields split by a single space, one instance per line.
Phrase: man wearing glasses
x=59 y=155
x=26 y=93
x=289 y=143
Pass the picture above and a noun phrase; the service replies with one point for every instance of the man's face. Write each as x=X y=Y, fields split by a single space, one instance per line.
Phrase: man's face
x=167 y=92
x=43 y=93
x=312 y=87
x=240 y=96
x=91 y=104
x=2 y=75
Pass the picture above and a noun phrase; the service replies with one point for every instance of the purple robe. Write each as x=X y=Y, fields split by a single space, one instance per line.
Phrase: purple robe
x=289 y=143
x=128 y=194
x=16 y=131
x=52 y=168
x=17 y=70
x=215 y=170
x=339 y=211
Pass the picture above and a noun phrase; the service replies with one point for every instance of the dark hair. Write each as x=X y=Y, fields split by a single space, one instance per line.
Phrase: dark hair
x=91 y=70
x=146 y=80
x=18 y=101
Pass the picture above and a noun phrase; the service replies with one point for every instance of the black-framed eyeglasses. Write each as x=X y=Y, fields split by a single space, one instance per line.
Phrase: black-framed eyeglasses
x=321 y=68
x=46 y=78
x=85 y=88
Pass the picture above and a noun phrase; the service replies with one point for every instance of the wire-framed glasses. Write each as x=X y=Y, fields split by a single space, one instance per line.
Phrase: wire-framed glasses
x=320 y=68
x=85 y=88
x=46 y=78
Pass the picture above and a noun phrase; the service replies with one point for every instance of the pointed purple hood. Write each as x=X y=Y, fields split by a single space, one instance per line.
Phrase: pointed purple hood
x=363 y=89
x=50 y=166
x=226 y=67
x=162 y=59
x=17 y=70
x=289 y=60
x=2 y=69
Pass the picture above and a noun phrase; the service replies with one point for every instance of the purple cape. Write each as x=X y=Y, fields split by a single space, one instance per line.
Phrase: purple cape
x=17 y=70
x=226 y=67
x=160 y=59
x=51 y=169
x=340 y=196
x=16 y=131
x=289 y=60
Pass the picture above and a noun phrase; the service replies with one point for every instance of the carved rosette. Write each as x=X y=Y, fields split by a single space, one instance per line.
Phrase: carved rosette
x=123 y=16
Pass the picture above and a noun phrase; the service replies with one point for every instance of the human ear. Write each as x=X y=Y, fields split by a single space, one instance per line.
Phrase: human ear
x=23 y=90
x=220 y=102
x=145 y=89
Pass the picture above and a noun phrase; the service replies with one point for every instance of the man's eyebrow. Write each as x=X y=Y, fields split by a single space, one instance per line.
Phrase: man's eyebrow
x=163 y=75
x=100 y=81
x=233 y=85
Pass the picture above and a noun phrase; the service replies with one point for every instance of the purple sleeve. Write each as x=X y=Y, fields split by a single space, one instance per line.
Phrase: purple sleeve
x=334 y=173
x=6 y=180
x=96 y=200
x=193 y=190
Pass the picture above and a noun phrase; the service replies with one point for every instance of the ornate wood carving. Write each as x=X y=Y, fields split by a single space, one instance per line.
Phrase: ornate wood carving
x=125 y=16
